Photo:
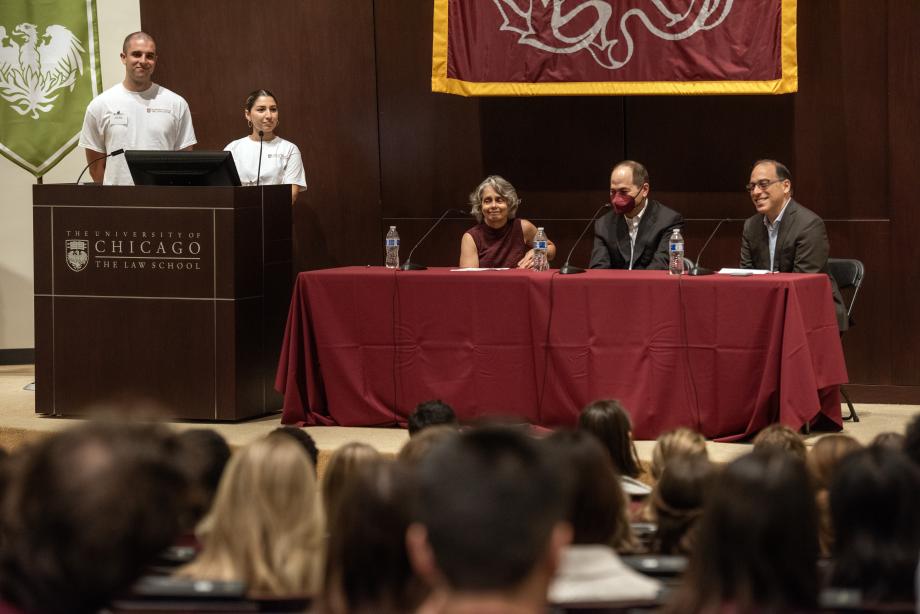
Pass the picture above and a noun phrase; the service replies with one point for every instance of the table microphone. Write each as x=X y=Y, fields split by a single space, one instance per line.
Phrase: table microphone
x=568 y=269
x=696 y=271
x=117 y=152
x=408 y=265
x=259 y=168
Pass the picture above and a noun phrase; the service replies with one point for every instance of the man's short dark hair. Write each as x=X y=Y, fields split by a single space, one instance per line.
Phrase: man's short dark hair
x=132 y=36
x=303 y=438
x=639 y=172
x=85 y=511
x=431 y=413
x=782 y=171
x=489 y=499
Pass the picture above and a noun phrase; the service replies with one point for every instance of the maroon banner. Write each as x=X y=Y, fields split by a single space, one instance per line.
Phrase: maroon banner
x=501 y=47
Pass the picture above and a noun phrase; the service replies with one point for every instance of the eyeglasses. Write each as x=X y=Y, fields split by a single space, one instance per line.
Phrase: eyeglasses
x=763 y=184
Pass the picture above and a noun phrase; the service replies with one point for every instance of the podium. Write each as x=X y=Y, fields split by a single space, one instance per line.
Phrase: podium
x=174 y=296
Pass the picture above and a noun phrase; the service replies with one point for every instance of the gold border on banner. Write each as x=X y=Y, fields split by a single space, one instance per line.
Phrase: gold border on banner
x=786 y=84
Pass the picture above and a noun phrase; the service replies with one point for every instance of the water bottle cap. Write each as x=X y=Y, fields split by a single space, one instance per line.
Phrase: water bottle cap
x=392 y=227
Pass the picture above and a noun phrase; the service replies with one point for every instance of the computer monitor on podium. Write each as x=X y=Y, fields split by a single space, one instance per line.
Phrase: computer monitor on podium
x=207 y=168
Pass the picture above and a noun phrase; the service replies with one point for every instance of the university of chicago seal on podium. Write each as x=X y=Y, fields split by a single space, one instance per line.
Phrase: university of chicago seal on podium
x=77 y=254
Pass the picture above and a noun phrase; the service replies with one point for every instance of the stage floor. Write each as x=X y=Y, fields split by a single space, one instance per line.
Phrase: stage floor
x=19 y=424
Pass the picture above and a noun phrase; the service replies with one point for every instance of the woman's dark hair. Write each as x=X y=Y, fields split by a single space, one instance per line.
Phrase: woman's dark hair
x=597 y=504
x=367 y=568
x=875 y=505
x=677 y=502
x=609 y=422
x=205 y=454
x=758 y=546
x=253 y=96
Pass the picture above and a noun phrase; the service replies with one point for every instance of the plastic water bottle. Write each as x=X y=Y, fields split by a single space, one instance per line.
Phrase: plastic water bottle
x=392 y=247
x=540 y=263
x=676 y=253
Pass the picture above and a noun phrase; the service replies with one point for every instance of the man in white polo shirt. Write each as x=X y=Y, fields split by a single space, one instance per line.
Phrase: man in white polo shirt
x=135 y=114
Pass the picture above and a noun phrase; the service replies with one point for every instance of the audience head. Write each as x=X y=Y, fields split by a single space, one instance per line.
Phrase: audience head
x=205 y=453
x=677 y=502
x=912 y=440
x=85 y=511
x=823 y=461
x=825 y=456
x=431 y=413
x=609 y=422
x=266 y=525
x=890 y=439
x=780 y=437
x=757 y=546
x=368 y=568
x=344 y=463
x=875 y=504
x=597 y=504
x=490 y=516
x=303 y=438
x=414 y=451
x=502 y=187
x=679 y=442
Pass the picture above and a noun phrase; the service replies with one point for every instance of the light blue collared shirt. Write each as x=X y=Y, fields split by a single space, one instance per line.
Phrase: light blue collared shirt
x=773 y=231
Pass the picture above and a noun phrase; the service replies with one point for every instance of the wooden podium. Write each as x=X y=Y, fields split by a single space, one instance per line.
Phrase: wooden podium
x=172 y=295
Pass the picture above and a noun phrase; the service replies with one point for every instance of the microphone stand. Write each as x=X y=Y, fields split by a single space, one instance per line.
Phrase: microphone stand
x=408 y=265
x=569 y=269
x=117 y=152
x=696 y=271
x=259 y=168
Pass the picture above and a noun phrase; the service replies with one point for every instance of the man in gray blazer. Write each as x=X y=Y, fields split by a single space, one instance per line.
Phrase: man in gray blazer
x=783 y=236
x=635 y=234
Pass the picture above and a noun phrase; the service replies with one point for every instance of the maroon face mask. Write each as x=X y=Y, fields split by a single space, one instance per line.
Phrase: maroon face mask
x=622 y=203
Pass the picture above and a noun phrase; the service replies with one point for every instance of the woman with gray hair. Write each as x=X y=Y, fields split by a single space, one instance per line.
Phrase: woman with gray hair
x=499 y=240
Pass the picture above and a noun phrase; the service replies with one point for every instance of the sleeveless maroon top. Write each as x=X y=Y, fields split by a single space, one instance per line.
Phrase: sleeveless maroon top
x=499 y=248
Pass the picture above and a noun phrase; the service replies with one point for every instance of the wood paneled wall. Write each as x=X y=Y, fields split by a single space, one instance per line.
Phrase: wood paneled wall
x=353 y=82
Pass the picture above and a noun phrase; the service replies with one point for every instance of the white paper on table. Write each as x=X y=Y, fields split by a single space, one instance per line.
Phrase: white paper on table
x=743 y=272
x=473 y=269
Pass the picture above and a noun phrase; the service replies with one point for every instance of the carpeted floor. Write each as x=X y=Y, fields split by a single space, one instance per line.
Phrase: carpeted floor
x=20 y=424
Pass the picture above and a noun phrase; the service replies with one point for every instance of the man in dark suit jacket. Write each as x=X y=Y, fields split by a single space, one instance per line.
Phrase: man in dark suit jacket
x=784 y=236
x=635 y=234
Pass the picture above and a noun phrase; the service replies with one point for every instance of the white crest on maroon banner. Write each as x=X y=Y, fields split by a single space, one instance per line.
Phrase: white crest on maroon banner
x=518 y=18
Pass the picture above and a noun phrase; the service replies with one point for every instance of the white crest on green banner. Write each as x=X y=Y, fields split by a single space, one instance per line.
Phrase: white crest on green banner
x=49 y=72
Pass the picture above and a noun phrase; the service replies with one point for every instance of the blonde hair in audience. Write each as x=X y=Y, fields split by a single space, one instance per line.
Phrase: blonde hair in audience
x=266 y=526
x=679 y=442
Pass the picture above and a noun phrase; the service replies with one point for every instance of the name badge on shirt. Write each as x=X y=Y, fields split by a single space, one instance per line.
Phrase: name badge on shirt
x=118 y=119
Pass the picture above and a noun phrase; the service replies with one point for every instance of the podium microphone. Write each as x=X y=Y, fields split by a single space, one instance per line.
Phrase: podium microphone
x=408 y=265
x=259 y=169
x=117 y=152
x=568 y=269
x=696 y=271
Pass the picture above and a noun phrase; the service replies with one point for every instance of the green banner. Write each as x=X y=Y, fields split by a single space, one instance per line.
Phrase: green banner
x=49 y=71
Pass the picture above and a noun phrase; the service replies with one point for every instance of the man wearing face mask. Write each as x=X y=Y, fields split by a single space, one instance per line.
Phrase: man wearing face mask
x=635 y=234
x=783 y=236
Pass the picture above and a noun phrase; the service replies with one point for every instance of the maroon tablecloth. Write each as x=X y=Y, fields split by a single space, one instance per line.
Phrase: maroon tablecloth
x=723 y=355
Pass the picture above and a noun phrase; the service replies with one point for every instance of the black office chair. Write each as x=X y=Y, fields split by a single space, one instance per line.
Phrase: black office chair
x=848 y=273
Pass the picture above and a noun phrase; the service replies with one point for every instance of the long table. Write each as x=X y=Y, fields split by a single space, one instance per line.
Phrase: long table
x=724 y=355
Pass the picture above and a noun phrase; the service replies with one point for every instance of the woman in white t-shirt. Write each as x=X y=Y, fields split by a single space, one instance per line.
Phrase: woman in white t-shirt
x=280 y=159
